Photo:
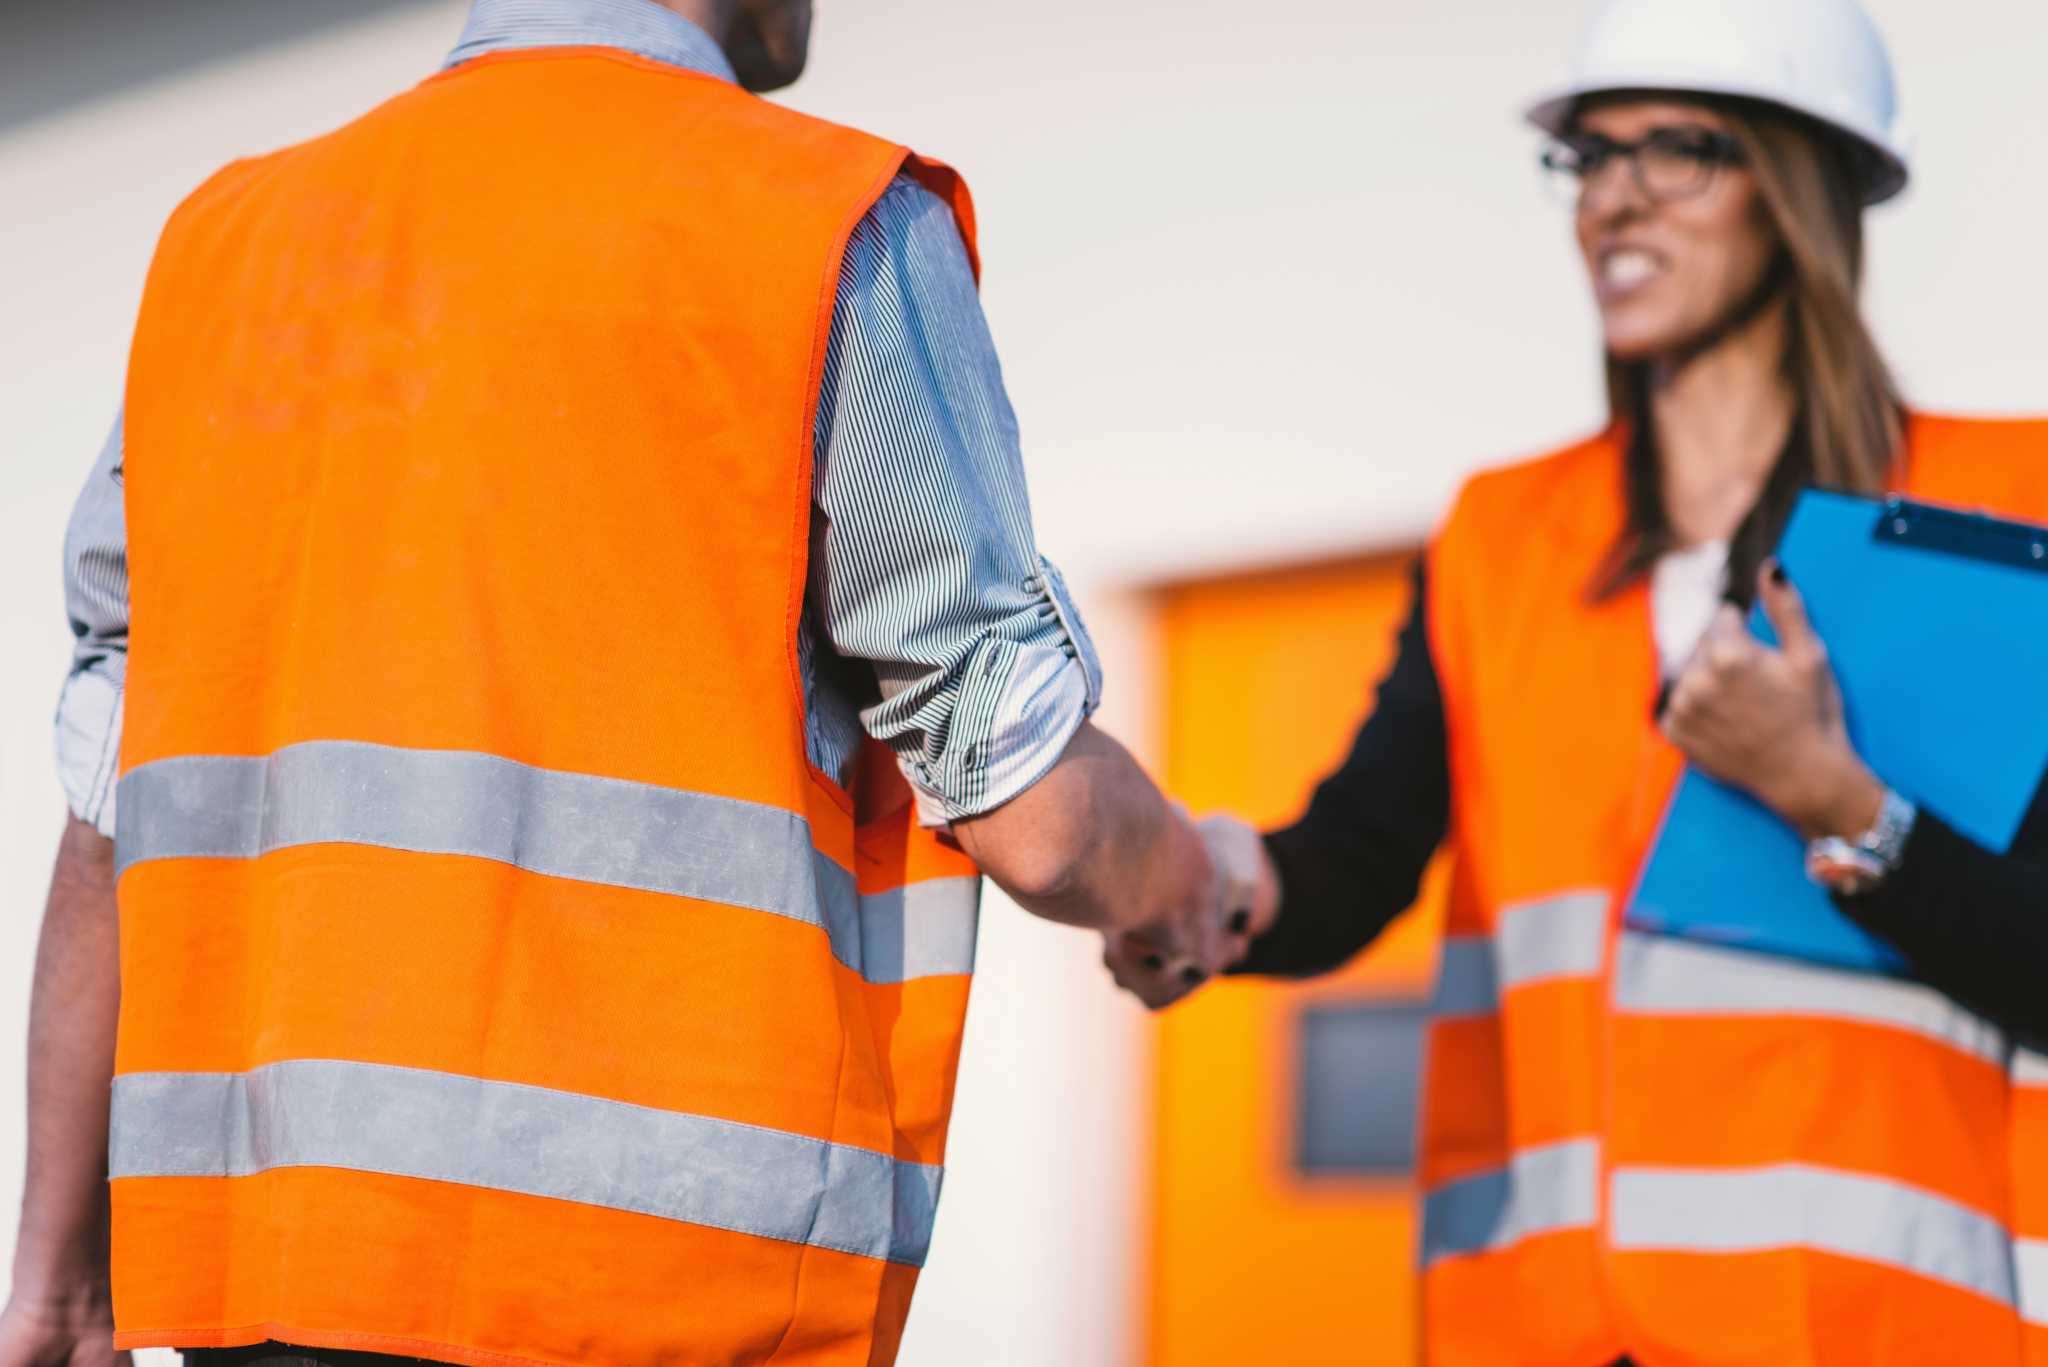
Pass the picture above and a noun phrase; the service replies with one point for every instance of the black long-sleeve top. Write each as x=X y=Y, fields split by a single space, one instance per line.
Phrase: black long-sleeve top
x=1971 y=922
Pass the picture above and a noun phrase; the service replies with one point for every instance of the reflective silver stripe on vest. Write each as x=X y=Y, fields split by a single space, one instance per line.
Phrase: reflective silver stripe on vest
x=1560 y=937
x=444 y=1127
x=2030 y=1264
x=597 y=830
x=1556 y=937
x=1466 y=981
x=1659 y=975
x=2030 y=1256
x=920 y=930
x=1796 y=1205
x=1553 y=1187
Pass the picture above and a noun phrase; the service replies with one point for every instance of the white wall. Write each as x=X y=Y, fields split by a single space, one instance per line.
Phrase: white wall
x=1267 y=280
x=1308 y=241
x=81 y=199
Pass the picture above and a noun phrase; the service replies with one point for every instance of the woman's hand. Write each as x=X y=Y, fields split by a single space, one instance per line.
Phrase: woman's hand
x=1247 y=901
x=1770 y=721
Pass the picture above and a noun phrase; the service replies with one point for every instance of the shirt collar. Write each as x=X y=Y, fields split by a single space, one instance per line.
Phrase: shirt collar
x=638 y=26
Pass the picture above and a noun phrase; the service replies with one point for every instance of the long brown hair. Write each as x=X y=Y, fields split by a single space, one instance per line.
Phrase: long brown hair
x=1848 y=421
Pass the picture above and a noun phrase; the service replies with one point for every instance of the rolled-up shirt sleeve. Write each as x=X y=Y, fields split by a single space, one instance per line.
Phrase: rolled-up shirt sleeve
x=96 y=602
x=924 y=565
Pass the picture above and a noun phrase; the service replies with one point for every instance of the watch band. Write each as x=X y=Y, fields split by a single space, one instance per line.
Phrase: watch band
x=1855 y=867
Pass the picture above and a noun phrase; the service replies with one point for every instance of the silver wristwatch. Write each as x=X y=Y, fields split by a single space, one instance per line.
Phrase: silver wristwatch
x=1854 y=867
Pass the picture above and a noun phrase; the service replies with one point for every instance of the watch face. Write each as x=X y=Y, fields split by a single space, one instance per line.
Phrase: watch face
x=1841 y=867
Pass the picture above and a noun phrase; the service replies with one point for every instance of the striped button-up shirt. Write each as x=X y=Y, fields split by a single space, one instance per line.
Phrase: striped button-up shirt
x=930 y=621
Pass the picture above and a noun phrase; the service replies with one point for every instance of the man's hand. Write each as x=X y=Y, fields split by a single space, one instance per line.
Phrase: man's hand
x=1770 y=721
x=59 y=1313
x=1093 y=844
x=1242 y=901
x=74 y=1330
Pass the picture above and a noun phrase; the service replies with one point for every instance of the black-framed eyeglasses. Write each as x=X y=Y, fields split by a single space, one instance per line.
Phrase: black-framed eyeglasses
x=1667 y=164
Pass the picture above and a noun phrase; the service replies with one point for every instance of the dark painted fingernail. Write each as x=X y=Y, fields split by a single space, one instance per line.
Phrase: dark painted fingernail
x=1663 y=702
x=1240 y=922
x=1154 y=962
x=1778 y=575
x=1191 y=976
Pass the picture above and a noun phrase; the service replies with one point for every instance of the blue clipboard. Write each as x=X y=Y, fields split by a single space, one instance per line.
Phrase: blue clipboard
x=1937 y=624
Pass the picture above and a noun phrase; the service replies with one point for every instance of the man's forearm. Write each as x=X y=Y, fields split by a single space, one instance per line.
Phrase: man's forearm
x=61 y=1257
x=1088 y=845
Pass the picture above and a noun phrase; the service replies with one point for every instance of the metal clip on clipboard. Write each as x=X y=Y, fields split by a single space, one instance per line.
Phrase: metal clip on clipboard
x=1903 y=522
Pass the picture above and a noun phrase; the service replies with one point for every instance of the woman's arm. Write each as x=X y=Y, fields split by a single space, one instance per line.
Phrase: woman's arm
x=1769 y=720
x=1972 y=922
x=1355 y=859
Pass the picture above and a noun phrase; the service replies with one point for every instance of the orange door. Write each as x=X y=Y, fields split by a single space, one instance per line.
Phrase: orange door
x=1283 y=1219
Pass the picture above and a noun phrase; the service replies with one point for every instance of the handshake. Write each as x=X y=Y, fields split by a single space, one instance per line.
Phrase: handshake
x=1095 y=845
x=1210 y=891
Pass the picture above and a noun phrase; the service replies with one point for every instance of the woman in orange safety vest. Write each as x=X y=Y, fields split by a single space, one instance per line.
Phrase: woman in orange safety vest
x=1642 y=1148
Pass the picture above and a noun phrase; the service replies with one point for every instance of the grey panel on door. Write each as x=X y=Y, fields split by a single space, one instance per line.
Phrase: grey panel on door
x=1359 y=1073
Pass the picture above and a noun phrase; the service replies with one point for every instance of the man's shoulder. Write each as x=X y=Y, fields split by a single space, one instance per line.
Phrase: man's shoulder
x=245 y=174
x=909 y=212
x=653 y=109
x=664 y=98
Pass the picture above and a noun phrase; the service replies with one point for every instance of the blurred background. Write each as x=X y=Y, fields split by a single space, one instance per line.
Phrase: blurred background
x=1267 y=280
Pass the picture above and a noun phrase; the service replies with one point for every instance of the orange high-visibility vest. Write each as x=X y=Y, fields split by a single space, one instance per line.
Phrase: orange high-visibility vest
x=2030 y=1197
x=501 y=983
x=1641 y=1145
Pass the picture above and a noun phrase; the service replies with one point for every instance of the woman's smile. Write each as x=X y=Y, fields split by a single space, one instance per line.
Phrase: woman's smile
x=1623 y=269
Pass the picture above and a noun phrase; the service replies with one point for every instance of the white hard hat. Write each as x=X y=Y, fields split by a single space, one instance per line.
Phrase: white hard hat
x=1821 y=58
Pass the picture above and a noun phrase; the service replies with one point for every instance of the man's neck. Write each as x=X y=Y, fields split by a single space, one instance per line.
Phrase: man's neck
x=715 y=17
x=1722 y=417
